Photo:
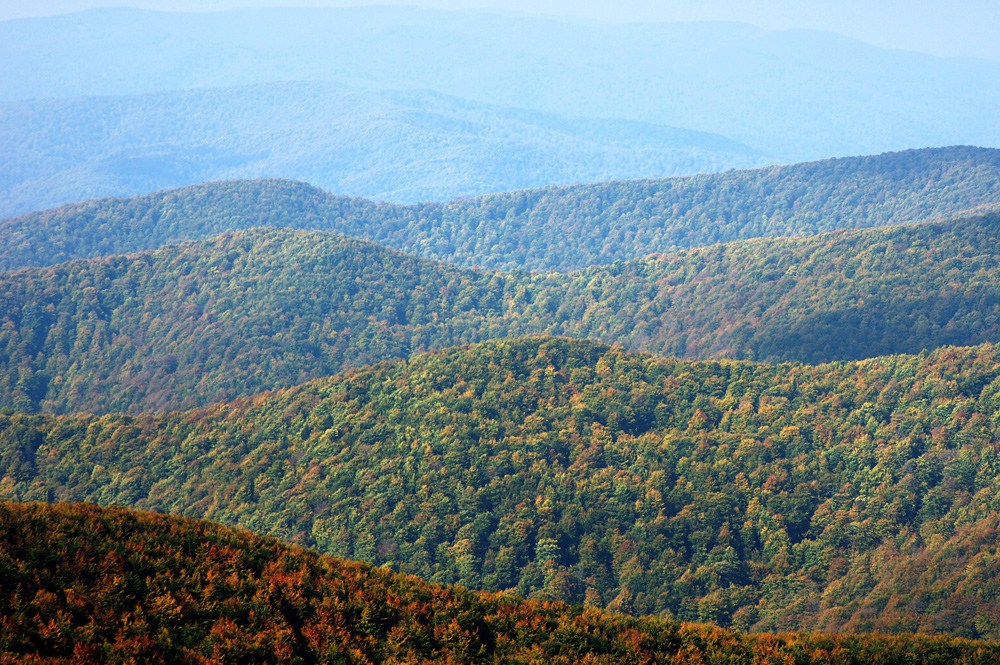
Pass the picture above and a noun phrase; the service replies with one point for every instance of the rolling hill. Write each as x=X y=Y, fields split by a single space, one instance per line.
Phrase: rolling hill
x=851 y=497
x=149 y=588
x=552 y=228
x=742 y=416
x=398 y=146
x=189 y=325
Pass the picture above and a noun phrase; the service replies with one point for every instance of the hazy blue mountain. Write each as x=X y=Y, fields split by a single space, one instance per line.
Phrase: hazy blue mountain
x=399 y=146
x=798 y=95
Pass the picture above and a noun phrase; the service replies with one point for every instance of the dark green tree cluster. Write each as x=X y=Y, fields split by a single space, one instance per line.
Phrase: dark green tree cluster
x=81 y=584
x=855 y=497
x=103 y=227
x=187 y=326
x=840 y=296
x=553 y=228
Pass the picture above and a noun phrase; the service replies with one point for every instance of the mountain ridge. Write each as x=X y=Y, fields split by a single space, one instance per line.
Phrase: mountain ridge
x=528 y=229
x=212 y=320
x=851 y=497
x=405 y=146
x=177 y=590
x=793 y=96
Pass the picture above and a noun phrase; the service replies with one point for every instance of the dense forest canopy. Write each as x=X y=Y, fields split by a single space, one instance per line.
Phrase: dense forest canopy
x=747 y=416
x=190 y=325
x=553 y=228
x=83 y=584
x=855 y=497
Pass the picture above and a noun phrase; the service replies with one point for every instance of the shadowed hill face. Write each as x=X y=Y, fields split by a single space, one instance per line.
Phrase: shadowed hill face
x=554 y=228
x=82 y=583
x=263 y=309
x=847 y=497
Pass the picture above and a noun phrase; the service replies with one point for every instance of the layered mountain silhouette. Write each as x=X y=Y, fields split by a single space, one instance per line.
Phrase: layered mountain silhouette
x=397 y=146
x=551 y=228
x=550 y=355
x=476 y=102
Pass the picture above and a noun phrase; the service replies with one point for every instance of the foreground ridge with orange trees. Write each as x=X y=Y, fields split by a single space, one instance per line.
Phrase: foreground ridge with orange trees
x=82 y=584
x=187 y=326
x=850 y=497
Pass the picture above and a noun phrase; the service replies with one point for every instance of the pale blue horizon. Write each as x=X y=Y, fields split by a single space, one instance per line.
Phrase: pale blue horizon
x=962 y=28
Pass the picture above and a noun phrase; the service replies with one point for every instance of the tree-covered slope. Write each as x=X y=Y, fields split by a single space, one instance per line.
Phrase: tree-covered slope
x=840 y=296
x=396 y=146
x=198 y=323
x=848 y=497
x=554 y=228
x=104 y=227
x=190 y=325
x=93 y=585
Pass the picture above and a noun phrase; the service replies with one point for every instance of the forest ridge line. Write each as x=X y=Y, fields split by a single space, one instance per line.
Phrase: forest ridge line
x=531 y=229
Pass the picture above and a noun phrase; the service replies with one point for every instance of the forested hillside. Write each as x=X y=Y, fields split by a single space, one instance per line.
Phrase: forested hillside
x=397 y=146
x=847 y=497
x=84 y=584
x=494 y=339
x=554 y=228
x=190 y=325
x=195 y=324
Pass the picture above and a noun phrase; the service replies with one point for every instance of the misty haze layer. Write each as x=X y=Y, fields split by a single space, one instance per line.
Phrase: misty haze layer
x=795 y=95
x=403 y=146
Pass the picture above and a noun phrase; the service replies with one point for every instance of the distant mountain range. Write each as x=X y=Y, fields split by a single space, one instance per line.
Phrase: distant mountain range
x=551 y=228
x=793 y=95
x=397 y=146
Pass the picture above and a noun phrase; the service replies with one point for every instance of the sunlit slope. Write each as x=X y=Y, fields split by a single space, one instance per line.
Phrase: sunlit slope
x=553 y=228
x=847 y=497
x=88 y=584
x=261 y=309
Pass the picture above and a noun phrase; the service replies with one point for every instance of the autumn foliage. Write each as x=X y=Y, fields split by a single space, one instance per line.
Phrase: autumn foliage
x=845 y=497
x=82 y=584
